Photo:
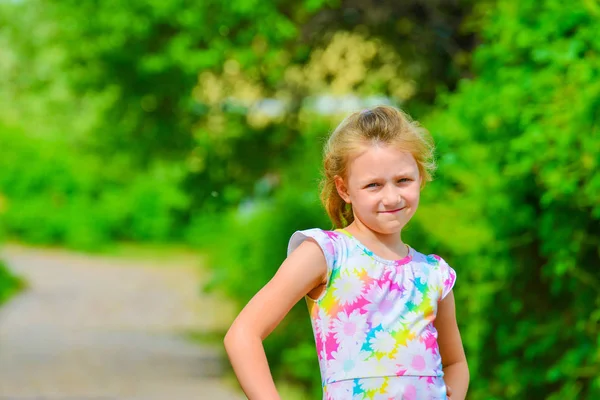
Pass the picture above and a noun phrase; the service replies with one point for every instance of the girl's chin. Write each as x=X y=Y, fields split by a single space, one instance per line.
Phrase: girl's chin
x=383 y=226
x=386 y=229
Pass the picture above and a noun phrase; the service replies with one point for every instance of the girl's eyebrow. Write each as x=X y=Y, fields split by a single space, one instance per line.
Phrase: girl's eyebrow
x=405 y=175
x=369 y=179
x=395 y=176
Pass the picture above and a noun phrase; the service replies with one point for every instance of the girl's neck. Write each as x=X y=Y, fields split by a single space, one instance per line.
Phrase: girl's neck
x=388 y=242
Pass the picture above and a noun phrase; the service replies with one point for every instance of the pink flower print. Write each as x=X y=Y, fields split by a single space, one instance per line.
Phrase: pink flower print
x=415 y=357
x=331 y=345
x=416 y=390
x=449 y=281
x=383 y=305
x=410 y=393
x=349 y=328
x=330 y=249
x=418 y=363
x=375 y=292
x=431 y=342
x=331 y=234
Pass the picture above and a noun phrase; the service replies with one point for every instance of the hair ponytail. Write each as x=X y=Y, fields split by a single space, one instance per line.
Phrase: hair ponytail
x=339 y=212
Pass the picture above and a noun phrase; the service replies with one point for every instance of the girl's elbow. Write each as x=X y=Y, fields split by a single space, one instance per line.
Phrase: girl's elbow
x=229 y=340
x=237 y=335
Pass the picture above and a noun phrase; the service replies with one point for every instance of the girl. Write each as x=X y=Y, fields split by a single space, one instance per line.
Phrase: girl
x=382 y=313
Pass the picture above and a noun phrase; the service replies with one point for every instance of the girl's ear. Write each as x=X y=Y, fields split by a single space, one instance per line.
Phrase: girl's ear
x=342 y=190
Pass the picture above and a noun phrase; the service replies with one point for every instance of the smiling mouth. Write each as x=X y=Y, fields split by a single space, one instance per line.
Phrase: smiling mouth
x=392 y=211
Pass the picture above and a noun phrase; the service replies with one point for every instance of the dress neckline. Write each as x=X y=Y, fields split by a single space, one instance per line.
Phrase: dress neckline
x=371 y=254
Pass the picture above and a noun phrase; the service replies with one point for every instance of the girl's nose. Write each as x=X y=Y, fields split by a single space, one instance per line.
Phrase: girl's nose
x=391 y=197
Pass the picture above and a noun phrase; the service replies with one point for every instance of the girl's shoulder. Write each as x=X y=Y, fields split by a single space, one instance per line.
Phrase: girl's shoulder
x=333 y=240
x=318 y=232
x=328 y=241
x=324 y=238
x=446 y=275
x=429 y=259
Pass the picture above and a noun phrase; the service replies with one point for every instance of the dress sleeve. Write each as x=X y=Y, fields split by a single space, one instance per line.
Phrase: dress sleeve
x=448 y=277
x=324 y=239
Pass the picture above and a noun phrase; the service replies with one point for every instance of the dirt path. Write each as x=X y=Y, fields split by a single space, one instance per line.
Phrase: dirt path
x=105 y=328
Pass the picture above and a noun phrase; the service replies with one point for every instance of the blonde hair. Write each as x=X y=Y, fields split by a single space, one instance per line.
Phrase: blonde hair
x=380 y=125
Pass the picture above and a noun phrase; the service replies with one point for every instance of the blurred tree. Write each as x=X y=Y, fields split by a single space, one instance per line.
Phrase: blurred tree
x=118 y=78
x=347 y=54
x=520 y=154
x=144 y=57
x=429 y=36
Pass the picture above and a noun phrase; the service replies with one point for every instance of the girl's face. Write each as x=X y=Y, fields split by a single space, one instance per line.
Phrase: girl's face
x=384 y=186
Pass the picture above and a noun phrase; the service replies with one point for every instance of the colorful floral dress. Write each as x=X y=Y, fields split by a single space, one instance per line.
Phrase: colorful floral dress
x=373 y=323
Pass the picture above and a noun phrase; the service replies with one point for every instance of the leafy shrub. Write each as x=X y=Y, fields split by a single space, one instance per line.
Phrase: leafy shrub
x=54 y=194
x=519 y=202
x=9 y=284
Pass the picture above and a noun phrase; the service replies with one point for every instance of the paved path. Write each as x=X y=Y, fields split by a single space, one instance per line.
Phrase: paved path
x=105 y=328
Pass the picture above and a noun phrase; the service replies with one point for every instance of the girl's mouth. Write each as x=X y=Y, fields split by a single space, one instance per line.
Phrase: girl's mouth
x=392 y=211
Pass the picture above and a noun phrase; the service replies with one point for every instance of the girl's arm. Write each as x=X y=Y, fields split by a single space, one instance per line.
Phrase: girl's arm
x=304 y=270
x=454 y=361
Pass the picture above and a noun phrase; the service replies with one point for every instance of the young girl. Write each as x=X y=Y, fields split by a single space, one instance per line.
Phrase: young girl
x=383 y=314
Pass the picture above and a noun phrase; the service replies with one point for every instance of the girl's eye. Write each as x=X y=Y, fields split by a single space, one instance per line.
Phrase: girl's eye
x=372 y=185
x=404 y=180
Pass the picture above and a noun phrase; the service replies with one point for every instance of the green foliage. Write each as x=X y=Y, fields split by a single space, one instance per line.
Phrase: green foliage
x=146 y=55
x=121 y=85
x=520 y=150
x=148 y=82
x=9 y=284
x=53 y=196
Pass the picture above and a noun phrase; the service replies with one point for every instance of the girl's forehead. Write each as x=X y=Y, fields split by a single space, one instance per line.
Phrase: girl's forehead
x=382 y=154
x=380 y=160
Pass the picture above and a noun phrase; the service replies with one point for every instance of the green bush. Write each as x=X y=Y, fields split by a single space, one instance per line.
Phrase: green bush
x=9 y=284
x=518 y=206
x=56 y=194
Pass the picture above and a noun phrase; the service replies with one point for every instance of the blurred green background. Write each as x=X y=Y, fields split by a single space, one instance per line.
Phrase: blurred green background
x=202 y=123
